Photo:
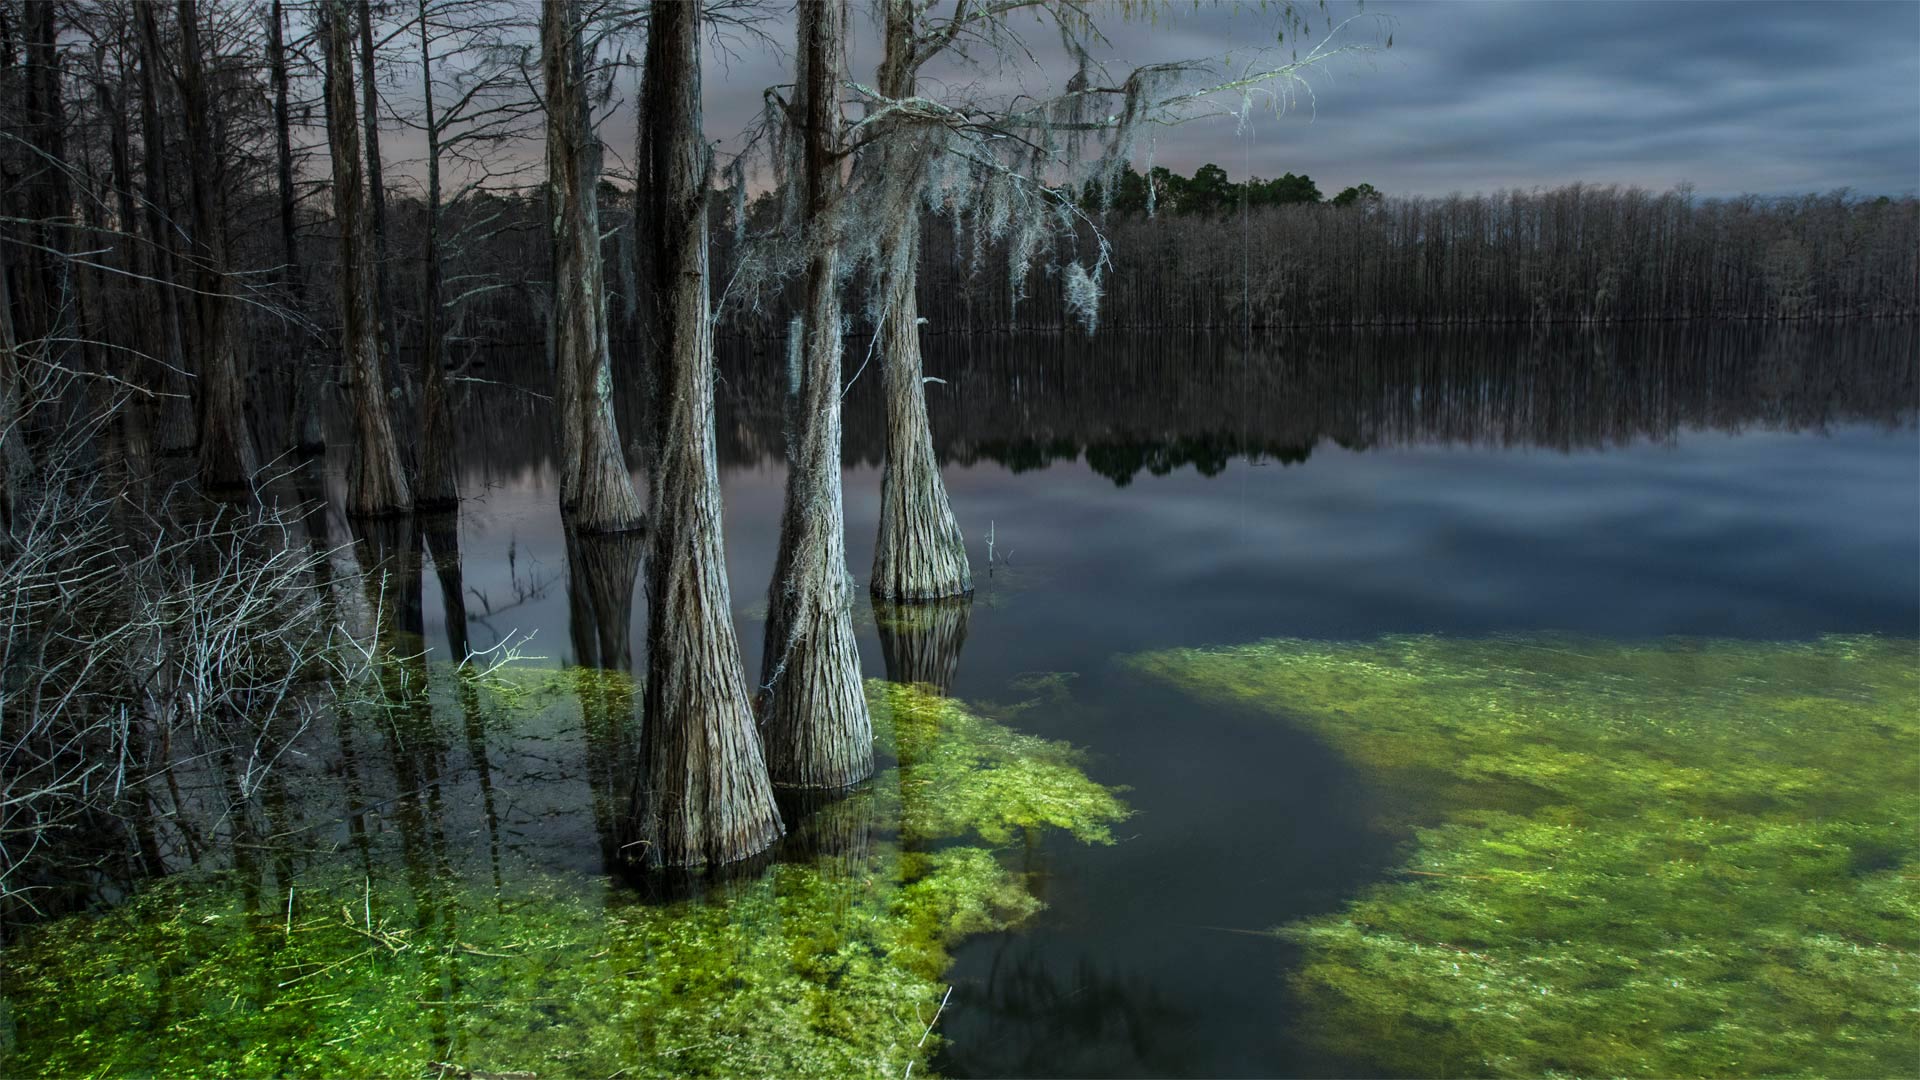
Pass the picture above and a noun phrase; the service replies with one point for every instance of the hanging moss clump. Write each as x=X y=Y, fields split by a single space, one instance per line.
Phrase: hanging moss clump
x=419 y=960
x=1677 y=858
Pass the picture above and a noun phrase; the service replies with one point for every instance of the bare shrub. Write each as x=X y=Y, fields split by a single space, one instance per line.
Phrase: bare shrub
x=147 y=633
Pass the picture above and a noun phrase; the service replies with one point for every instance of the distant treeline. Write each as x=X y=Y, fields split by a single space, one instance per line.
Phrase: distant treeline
x=1203 y=260
x=1574 y=254
x=1210 y=191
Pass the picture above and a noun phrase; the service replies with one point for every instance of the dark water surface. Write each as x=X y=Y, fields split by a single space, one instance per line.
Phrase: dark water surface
x=1137 y=494
x=1144 y=493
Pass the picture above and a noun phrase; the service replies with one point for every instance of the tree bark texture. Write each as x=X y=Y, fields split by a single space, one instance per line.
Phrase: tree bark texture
x=172 y=420
x=376 y=483
x=16 y=467
x=814 y=710
x=45 y=281
x=309 y=382
x=595 y=489
x=437 y=488
x=376 y=180
x=35 y=196
x=226 y=447
x=116 y=322
x=283 y=149
x=702 y=795
x=919 y=553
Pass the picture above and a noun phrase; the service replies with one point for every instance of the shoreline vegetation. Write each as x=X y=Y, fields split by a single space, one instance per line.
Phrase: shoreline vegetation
x=1679 y=857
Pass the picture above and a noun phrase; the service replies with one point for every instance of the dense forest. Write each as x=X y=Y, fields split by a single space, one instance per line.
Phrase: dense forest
x=1575 y=254
x=1273 y=254
x=1248 y=255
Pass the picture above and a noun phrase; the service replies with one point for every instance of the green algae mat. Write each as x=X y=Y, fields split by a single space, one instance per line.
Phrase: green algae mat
x=827 y=963
x=1670 y=858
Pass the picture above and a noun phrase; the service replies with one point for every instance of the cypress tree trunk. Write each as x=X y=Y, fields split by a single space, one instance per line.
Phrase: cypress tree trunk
x=814 y=718
x=595 y=489
x=16 y=468
x=376 y=484
x=226 y=448
x=45 y=276
x=130 y=256
x=16 y=465
x=701 y=794
x=283 y=146
x=172 y=421
x=309 y=433
x=376 y=183
x=437 y=488
x=919 y=554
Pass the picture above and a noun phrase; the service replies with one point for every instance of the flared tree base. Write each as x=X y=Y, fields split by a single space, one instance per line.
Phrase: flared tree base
x=816 y=730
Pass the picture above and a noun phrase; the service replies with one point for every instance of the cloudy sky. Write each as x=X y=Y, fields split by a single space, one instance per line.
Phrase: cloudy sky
x=1769 y=98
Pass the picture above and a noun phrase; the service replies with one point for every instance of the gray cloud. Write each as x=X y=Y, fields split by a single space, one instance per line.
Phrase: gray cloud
x=1769 y=98
x=1734 y=97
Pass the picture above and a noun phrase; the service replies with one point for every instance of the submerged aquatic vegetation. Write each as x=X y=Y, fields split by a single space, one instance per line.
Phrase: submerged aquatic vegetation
x=1672 y=858
x=827 y=964
x=803 y=972
x=981 y=777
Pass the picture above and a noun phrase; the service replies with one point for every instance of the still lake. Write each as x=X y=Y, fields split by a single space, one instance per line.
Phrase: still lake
x=1150 y=492
x=1141 y=494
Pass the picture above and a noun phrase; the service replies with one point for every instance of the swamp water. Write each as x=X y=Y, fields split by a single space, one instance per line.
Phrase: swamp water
x=1449 y=704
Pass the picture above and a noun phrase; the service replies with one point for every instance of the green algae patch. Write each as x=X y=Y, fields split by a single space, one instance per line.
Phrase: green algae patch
x=524 y=693
x=807 y=971
x=1677 y=858
x=410 y=952
x=961 y=773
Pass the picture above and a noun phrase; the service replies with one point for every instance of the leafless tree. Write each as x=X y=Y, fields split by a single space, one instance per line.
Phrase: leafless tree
x=306 y=408
x=1009 y=172
x=227 y=458
x=702 y=793
x=376 y=171
x=376 y=484
x=814 y=708
x=595 y=489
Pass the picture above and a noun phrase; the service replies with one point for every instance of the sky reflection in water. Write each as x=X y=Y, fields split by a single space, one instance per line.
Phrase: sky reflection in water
x=1726 y=482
